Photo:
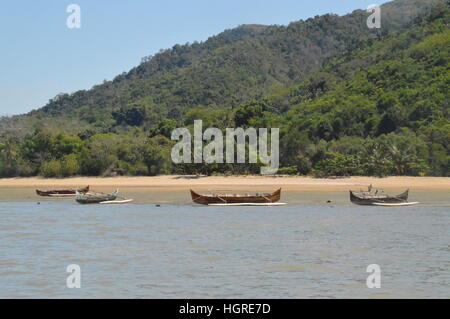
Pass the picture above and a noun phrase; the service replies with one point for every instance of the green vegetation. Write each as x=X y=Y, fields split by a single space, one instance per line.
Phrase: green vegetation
x=348 y=101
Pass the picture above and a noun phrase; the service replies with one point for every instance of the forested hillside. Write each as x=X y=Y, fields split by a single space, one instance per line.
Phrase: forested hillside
x=224 y=71
x=348 y=101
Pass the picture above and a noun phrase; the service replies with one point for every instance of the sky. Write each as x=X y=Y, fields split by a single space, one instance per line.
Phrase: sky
x=41 y=57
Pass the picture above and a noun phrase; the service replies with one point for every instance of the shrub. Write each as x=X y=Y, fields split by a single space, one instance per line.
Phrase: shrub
x=69 y=165
x=51 y=169
x=291 y=170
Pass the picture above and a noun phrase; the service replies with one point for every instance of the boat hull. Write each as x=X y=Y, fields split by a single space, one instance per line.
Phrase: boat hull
x=61 y=192
x=235 y=199
x=372 y=200
x=95 y=198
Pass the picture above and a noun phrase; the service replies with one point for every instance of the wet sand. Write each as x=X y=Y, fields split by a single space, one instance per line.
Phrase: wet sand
x=175 y=189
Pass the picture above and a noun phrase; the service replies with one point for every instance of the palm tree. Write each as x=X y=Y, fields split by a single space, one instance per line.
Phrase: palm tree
x=401 y=158
x=8 y=156
x=376 y=158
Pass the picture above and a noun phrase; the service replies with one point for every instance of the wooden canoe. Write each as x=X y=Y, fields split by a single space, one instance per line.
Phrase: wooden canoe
x=207 y=199
x=368 y=198
x=95 y=198
x=62 y=192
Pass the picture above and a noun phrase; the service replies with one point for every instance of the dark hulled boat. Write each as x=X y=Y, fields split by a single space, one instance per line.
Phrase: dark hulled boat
x=374 y=197
x=207 y=199
x=62 y=192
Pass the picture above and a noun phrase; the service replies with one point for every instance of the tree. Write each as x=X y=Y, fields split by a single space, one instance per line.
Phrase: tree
x=133 y=116
x=164 y=128
x=401 y=158
x=375 y=159
x=8 y=158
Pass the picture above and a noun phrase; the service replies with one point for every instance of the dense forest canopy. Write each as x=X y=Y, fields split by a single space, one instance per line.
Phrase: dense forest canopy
x=348 y=101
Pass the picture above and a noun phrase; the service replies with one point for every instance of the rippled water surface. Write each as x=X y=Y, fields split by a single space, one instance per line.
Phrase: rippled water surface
x=185 y=251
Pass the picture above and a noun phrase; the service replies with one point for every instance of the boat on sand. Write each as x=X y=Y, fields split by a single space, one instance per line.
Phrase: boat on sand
x=95 y=197
x=378 y=197
x=234 y=199
x=62 y=192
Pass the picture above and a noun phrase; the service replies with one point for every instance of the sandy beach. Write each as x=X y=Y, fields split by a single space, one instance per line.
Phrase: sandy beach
x=171 y=183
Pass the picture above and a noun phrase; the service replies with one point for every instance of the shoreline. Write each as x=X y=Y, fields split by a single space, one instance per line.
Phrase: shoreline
x=175 y=182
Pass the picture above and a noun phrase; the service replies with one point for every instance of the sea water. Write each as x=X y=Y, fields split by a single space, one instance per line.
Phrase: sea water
x=188 y=251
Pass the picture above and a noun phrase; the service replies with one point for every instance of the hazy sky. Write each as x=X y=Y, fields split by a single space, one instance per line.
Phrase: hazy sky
x=41 y=57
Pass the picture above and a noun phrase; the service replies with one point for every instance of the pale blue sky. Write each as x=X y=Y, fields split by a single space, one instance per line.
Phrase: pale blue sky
x=40 y=57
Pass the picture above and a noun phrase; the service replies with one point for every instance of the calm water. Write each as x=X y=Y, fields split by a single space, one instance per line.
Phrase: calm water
x=177 y=251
